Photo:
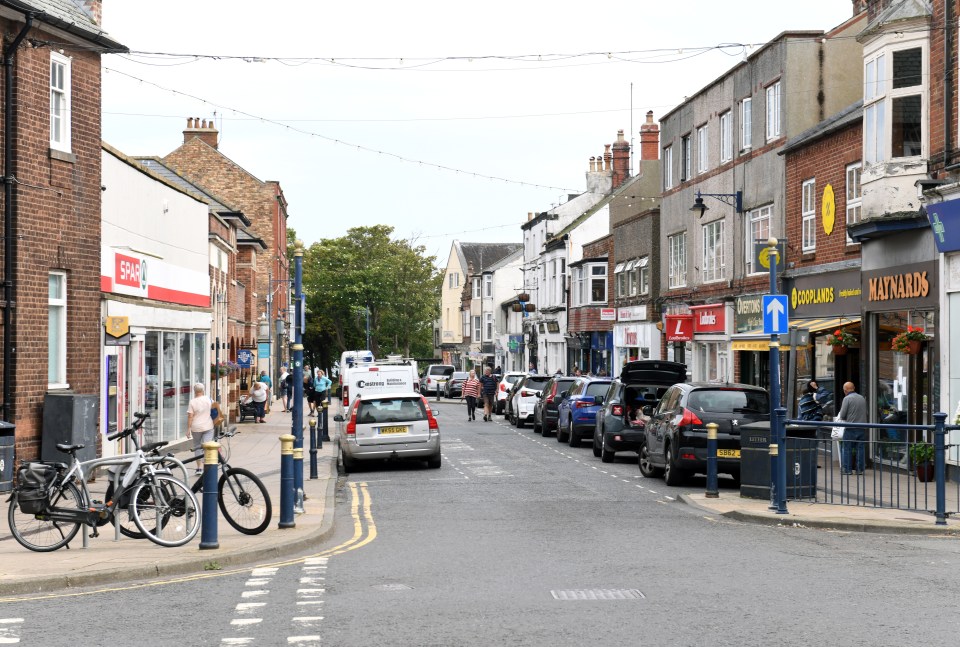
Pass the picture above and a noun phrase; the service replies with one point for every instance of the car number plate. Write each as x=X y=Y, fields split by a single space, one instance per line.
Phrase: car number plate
x=402 y=430
x=728 y=453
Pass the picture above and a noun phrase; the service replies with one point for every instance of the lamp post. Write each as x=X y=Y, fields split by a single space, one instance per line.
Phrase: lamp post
x=298 y=359
x=778 y=461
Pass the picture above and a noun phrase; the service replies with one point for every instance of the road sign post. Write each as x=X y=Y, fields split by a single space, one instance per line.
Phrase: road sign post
x=776 y=322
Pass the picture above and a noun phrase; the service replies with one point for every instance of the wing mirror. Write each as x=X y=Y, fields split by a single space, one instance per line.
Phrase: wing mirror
x=338 y=418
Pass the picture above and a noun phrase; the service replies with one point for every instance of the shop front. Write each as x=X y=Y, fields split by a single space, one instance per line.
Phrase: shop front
x=711 y=343
x=751 y=348
x=153 y=349
x=634 y=337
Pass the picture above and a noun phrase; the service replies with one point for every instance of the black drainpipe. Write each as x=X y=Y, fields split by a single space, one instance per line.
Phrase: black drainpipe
x=8 y=232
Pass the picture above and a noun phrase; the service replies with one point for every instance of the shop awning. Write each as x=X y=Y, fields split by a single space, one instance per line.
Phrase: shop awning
x=757 y=341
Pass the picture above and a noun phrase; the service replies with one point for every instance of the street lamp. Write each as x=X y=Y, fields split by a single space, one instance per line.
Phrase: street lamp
x=735 y=200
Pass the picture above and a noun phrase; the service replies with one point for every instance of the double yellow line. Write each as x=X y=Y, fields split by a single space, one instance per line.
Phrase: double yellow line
x=364 y=532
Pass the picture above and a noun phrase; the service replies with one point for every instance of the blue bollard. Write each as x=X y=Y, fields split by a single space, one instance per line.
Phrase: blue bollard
x=325 y=426
x=780 y=416
x=313 y=448
x=286 y=482
x=939 y=465
x=211 y=464
x=713 y=491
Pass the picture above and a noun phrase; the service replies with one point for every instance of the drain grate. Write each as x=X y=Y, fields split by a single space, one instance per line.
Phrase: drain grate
x=598 y=594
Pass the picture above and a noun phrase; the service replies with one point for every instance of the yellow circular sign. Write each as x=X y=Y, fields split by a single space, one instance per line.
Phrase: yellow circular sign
x=765 y=257
x=828 y=210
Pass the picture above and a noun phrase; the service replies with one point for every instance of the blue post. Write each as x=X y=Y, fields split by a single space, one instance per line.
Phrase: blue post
x=712 y=490
x=313 y=449
x=939 y=465
x=776 y=458
x=208 y=527
x=780 y=414
x=297 y=430
x=325 y=436
x=286 y=482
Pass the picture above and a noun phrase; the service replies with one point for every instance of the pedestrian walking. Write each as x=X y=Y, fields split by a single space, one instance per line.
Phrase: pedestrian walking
x=471 y=392
x=489 y=384
x=267 y=382
x=282 y=388
x=321 y=385
x=853 y=409
x=199 y=422
x=308 y=390
x=288 y=383
x=258 y=394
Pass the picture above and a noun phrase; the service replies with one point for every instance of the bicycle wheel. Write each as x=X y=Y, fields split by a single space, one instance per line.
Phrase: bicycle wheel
x=168 y=513
x=40 y=533
x=244 y=501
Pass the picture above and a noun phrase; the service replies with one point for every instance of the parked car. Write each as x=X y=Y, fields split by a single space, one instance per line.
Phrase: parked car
x=503 y=388
x=577 y=413
x=676 y=434
x=454 y=387
x=508 y=403
x=525 y=397
x=619 y=423
x=390 y=425
x=435 y=373
x=545 y=409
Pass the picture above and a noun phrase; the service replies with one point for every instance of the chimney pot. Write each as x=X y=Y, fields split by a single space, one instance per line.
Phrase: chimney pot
x=621 y=160
x=649 y=139
x=607 y=157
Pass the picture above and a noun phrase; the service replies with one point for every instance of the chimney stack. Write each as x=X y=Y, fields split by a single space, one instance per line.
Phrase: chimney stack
x=607 y=158
x=201 y=129
x=94 y=9
x=529 y=216
x=859 y=6
x=649 y=139
x=621 y=160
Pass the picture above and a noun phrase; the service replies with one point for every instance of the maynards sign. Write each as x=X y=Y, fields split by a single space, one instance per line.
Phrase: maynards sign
x=907 y=286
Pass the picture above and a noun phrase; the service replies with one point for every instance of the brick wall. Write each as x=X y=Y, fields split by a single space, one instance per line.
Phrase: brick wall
x=824 y=160
x=587 y=318
x=57 y=227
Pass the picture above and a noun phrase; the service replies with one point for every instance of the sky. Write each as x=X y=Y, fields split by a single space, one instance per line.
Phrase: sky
x=446 y=120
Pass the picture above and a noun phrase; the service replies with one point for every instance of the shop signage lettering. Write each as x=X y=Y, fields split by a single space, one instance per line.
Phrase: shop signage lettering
x=679 y=327
x=630 y=338
x=748 y=313
x=826 y=294
x=709 y=319
x=910 y=285
x=131 y=271
x=806 y=297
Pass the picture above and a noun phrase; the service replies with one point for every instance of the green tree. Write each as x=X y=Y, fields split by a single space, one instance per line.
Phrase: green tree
x=367 y=269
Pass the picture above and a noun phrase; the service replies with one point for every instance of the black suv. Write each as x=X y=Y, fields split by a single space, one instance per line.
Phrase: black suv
x=546 y=411
x=620 y=422
x=676 y=434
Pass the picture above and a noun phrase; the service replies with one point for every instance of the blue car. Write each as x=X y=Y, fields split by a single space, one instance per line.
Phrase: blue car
x=578 y=411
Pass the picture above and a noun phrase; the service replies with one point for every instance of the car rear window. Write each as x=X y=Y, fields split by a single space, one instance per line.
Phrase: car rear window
x=536 y=382
x=512 y=379
x=436 y=369
x=729 y=401
x=563 y=385
x=460 y=375
x=597 y=388
x=391 y=410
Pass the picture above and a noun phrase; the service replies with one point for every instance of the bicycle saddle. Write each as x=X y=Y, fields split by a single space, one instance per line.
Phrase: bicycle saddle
x=66 y=449
x=152 y=446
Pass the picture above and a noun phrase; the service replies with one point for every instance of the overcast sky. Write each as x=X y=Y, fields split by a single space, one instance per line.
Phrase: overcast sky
x=380 y=83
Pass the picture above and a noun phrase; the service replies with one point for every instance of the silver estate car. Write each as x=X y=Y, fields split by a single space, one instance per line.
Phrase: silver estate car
x=390 y=425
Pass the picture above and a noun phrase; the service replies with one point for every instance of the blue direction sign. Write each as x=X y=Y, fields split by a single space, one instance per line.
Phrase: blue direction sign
x=775 y=320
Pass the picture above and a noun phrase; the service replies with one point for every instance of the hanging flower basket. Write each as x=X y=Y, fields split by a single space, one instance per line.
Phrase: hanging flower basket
x=523 y=296
x=529 y=307
x=909 y=341
x=516 y=307
x=841 y=340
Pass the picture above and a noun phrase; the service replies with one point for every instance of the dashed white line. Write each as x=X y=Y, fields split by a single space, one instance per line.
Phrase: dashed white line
x=254 y=594
x=246 y=607
x=10 y=630
x=257 y=581
x=246 y=621
x=236 y=641
x=302 y=640
x=263 y=572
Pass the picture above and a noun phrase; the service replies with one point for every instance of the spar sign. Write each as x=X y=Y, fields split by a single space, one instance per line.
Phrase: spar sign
x=138 y=275
x=130 y=271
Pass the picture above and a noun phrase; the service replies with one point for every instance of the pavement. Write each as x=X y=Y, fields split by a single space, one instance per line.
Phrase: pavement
x=256 y=447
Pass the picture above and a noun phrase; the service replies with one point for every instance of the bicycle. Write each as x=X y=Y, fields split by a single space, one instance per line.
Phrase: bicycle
x=241 y=495
x=51 y=500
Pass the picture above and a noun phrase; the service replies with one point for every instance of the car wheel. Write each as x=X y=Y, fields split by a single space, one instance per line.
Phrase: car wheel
x=434 y=462
x=561 y=434
x=672 y=474
x=597 y=449
x=606 y=455
x=349 y=464
x=572 y=438
x=547 y=433
x=646 y=467
x=519 y=422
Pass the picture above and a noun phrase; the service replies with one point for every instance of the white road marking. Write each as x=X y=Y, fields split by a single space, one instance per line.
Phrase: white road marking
x=310 y=593
x=308 y=619
x=262 y=572
x=311 y=580
x=257 y=581
x=303 y=603
x=10 y=630
x=302 y=640
x=246 y=607
x=235 y=641
x=315 y=561
x=669 y=498
x=246 y=621
x=254 y=594
x=652 y=492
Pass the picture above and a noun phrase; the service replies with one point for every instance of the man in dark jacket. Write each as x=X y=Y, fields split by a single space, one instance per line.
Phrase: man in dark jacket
x=489 y=391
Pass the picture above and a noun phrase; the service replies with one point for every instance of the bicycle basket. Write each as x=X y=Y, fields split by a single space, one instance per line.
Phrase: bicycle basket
x=34 y=481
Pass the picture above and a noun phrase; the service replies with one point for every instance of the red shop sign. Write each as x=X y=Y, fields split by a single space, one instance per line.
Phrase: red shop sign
x=679 y=327
x=709 y=318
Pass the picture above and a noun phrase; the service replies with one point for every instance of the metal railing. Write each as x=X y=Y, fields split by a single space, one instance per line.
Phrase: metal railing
x=898 y=468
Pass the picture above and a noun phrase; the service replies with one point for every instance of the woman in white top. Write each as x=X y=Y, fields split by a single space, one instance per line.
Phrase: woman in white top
x=258 y=393
x=199 y=422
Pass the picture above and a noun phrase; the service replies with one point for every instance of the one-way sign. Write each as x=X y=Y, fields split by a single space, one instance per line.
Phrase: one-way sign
x=775 y=320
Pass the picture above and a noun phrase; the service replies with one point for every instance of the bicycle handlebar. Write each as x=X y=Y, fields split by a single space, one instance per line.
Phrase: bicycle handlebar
x=138 y=423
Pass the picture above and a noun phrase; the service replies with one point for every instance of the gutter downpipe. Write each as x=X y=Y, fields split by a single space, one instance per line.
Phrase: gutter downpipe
x=8 y=231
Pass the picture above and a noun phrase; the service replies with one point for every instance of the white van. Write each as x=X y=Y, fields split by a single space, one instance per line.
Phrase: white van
x=352 y=358
x=377 y=378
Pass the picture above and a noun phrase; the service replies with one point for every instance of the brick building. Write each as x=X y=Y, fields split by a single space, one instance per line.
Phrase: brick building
x=51 y=209
x=262 y=278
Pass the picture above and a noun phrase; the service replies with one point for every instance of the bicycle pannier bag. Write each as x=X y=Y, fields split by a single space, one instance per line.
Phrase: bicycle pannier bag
x=34 y=480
